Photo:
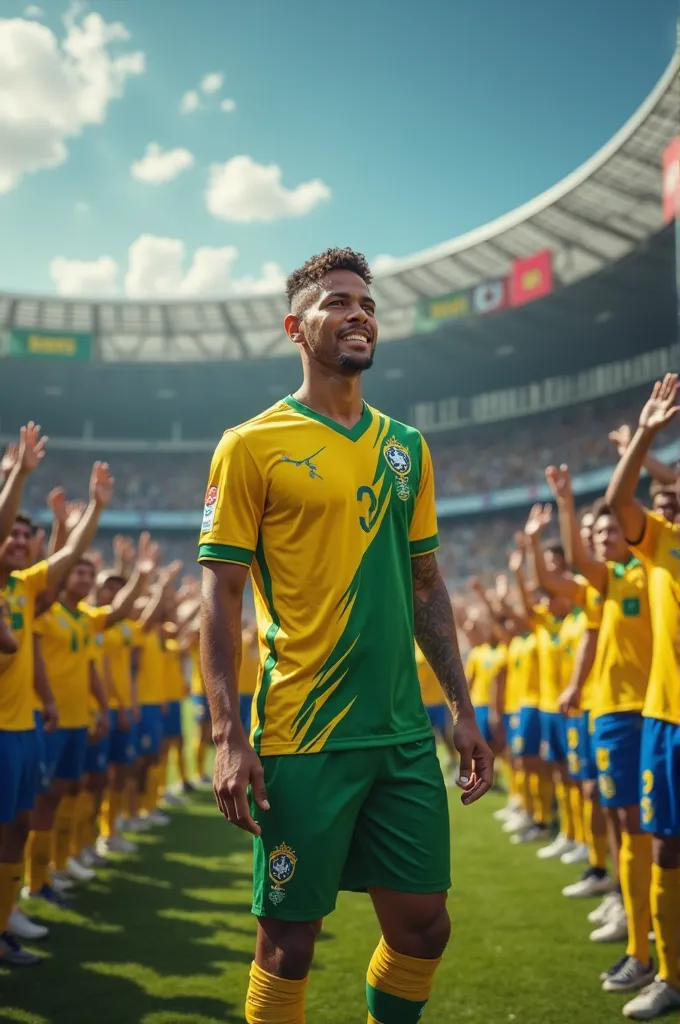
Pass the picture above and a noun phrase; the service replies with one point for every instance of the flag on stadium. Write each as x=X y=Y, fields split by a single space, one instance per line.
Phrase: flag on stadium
x=490 y=296
x=531 y=278
x=670 y=187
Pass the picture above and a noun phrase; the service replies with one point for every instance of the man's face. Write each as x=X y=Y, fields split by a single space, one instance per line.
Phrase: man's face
x=587 y=523
x=666 y=504
x=107 y=591
x=339 y=328
x=554 y=561
x=16 y=550
x=80 y=581
x=609 y=540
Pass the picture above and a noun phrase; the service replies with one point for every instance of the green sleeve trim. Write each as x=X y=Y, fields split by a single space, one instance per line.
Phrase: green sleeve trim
x=425 y=546
x=224 y=553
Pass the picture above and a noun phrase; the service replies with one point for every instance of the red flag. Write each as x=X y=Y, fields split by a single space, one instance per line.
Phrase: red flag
x=531 y=278
x=670 y=187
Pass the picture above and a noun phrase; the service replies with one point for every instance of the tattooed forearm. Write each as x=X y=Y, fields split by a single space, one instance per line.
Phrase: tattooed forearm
x=435 y=632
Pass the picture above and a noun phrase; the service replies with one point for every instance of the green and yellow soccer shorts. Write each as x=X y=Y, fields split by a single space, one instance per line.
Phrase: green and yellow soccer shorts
x=350 y=819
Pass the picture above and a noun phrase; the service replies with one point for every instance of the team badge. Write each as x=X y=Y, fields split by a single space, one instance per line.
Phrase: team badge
x=399 y=461
x=282 y=863
x=209 y=509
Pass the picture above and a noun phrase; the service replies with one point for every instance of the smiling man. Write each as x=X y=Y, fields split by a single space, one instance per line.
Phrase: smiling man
x=330 y=504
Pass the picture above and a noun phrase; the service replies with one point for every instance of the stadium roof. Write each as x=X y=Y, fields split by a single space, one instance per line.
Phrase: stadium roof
x=594 y=217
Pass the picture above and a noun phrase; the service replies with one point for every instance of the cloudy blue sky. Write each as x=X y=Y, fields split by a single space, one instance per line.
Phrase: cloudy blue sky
x=198 y=147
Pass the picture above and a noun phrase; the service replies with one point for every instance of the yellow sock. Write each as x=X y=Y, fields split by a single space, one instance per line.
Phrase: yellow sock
x=82 y=830
x=520 y=788
x=150 y=796
x=38 y=851
x=524 y=779
x=665 y=898
x=272 y=1000
x=564 y=810
x=397 y=986
x=10 y=883
x=576 y=803
x=112 y=808
x=635 y=873
x=62 y=831
x=201 y=754
x=542 y=797
x=178 y=747
x=597 y=841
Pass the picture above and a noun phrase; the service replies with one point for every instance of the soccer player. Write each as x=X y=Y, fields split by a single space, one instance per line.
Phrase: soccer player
x=19 y=749
x=331 y=503
x=199 y=700
x=437 y=709
x=657 y=543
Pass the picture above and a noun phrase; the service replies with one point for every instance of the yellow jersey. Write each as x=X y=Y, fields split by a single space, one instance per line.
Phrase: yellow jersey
x=430 y=690
x=549 y=640
x=571 y=634
x=481 y=668
x=16 y=670
x=196 y=685
x=150 y=685
x=659 y=551
x=250 y=667
x=328 y=519
x=522 y=685
x=590 y=600
x=624 y=647
x=175 y=684
x=68 y=649
x=118 y=643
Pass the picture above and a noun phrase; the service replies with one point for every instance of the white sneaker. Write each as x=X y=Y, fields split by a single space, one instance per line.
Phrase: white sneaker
x=590 y=884
x=559 y=846
x=605 y=907
x=172 y=800
x=61 y=883
x=579 y=855
x=115 y=844
x=654 y=1001
x=137 y=825
x=614 y=929
x=503 y=813
x=517 y=822
x=158 y=818
x=79 y=873
x=21 y=926
x=533 y=834
x=630 y=977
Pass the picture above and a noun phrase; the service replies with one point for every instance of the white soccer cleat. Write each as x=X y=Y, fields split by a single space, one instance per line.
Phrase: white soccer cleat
x=115 y=844
x=559 y=846
x=630 y=976
x=61 y=883
x=614 y=929
x=77 y=872
x=533 y=834
x=592 y=883
x=22 y=927
x=579 y=855
x=172 y=800
x=503 y=813
x=654 y=1001
x=158 y=818
x=137 y=825
x=517 y=822
x=605 y=907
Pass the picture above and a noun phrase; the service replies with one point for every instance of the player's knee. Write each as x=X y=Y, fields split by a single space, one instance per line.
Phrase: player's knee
x=436 y=934
x=424 y=935
x=14 y=836
x=286 y=948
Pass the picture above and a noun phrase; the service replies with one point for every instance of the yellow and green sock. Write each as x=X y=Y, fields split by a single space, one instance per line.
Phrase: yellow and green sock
x=272 y=1000
x=397 y=986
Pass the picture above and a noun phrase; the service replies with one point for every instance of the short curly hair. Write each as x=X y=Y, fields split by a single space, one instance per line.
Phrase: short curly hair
x=319 y=266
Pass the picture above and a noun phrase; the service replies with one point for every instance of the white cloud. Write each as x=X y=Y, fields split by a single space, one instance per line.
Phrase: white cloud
x=97 y=278
x=50 y=90
x=158 y=165
x=383 y=263
x=228 y=106
x=82 y=208
x=242 y=190
x=156 y=270
x=190 y=102
x=212 y=82
x=33 y=11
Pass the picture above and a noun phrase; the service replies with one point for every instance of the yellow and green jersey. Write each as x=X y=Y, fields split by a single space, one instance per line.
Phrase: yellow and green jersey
x=16 y=670
x=196 y=684
x=548 y=628
x=250 y=666
x=68 y=650
x=522 y=686
x=659 y=550
x=118 y=644
x=590 y=600
x=150 y=685
x=481 y=668
x=173 y=671
x=328 y=518
x=430 y=690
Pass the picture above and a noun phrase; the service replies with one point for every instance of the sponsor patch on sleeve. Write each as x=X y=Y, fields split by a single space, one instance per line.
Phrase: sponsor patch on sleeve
x=209 y=509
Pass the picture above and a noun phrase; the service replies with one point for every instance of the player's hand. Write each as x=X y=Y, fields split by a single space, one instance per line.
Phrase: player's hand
x=475 y=771
x=58 y=505
x=559 y=481
x=74 y=513
x=661 y=407
x=238 y=767
x=515 y=561
x=148 y=554
x=9 y=459
x=101 y=484
x=620 y=438
x=50 y=717
x=569 y=700
x=124 y=719
x=168 y=575
x=539 y=518
x=31 y=448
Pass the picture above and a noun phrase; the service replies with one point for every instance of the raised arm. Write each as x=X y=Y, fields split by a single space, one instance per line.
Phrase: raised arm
x=57 y=504
x=516 y=567
x=656 y=415
x=28 y=457
x=80 y=538
x=559 y=482
x=555 y=583
x=500 y=633
x=621 y=438
x=145 y=564
x=435 y=633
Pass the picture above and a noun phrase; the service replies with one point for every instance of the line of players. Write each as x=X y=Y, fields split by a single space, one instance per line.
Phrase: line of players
x=92 y=679
x=576 y=681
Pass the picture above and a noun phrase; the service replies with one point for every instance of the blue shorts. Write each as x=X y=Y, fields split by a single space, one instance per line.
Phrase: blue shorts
x=484 y=722
x=439 y=716
x=201 y=708
x=97 y=756
x=526 y=741
x=245 y=709
x=19 y=771
x=617 y=740
x=574 y=766
x=124 y=742
x=586 y=749
x=660 y=777
x=65 y=754
x=150 y=730
x=172 y=720
x=553 y=737
x=511 y=722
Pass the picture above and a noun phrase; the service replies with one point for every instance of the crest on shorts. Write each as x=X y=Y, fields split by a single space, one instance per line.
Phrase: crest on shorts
x=282 y=863
x=398 y=459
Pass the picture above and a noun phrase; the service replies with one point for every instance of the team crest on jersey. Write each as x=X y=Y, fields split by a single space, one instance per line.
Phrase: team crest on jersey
x=282 y=863
x=399 y=461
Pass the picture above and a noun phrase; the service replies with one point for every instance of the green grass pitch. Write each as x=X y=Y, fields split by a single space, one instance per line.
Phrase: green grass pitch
x=165 y=937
